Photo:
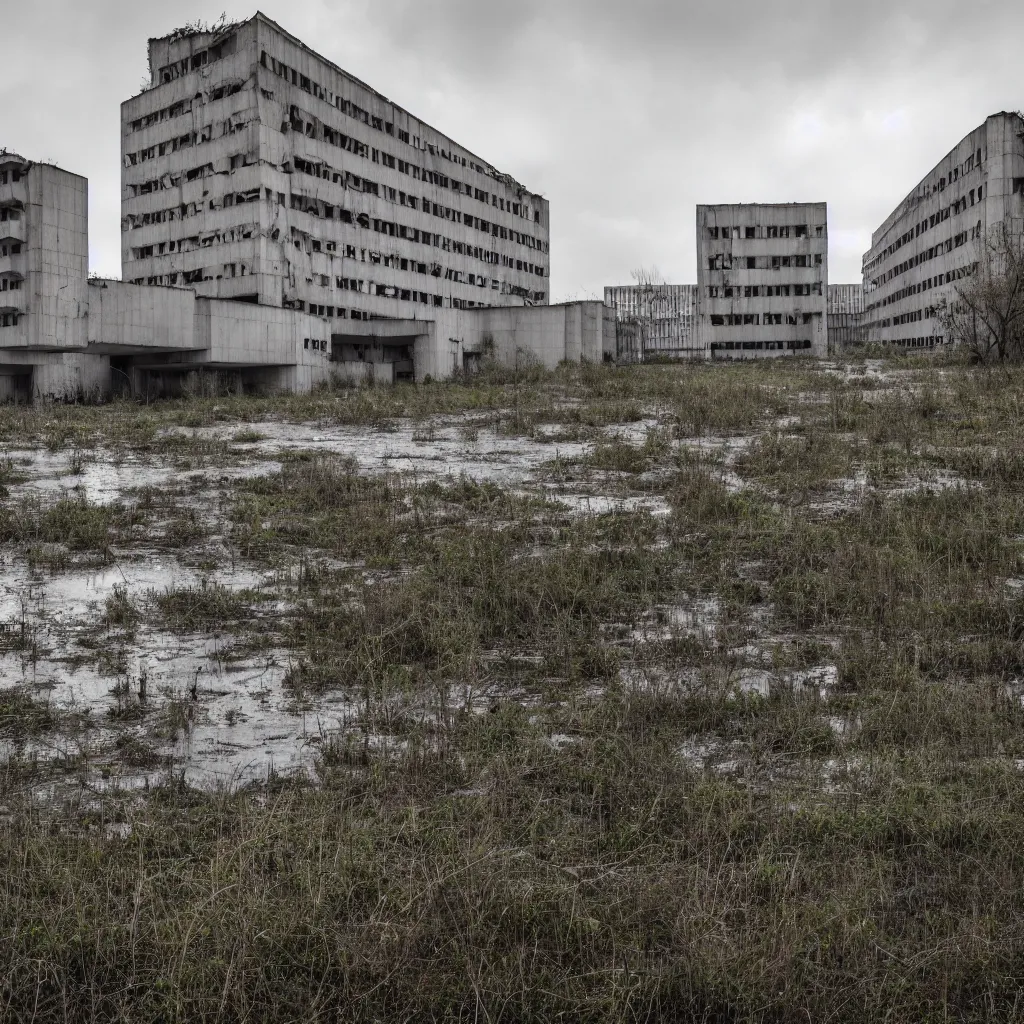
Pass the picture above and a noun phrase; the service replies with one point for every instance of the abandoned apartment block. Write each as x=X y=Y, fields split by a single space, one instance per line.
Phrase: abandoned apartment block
x=932 y=239
x=44 y=269
x=282 y=223
x=762 y=280
x=256 y=170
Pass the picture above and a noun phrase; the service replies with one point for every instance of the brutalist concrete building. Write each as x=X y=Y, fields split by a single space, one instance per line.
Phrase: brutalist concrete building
x=256 y=170
x=762 y=280
x=930 y=241
x=282 y=223
x=44 y=265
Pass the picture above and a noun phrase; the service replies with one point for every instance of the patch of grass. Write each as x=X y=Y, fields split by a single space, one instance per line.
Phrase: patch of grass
x=554 y=793
x=209 y=606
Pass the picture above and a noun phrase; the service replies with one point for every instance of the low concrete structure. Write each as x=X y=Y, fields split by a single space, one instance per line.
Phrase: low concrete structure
x=931 y=240
x=656 y=321
x=459 y=340
x=762 y=280
x=845 y=316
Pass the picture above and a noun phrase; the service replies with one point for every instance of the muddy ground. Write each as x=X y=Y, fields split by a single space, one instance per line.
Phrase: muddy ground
x=742 y=641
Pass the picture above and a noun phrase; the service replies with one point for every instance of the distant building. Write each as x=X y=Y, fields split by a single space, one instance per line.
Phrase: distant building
x=931 y=240
x=845 y=316
x=662 y=319
x=762 y=280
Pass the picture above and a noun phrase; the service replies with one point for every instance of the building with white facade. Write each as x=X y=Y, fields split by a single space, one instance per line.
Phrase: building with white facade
x=931 y=240
x=762 y=280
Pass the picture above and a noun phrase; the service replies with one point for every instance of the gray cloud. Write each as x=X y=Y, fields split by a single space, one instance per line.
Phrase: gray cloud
x=625 y=115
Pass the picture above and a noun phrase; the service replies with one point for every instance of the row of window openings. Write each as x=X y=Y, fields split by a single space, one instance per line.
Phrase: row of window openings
x=321 y=209
x=935 y=219
x=10 y=284
x=928 y=254
x=282 y=70
x=757 y=291
x=11 y=177
x=974 y=160
x=225 y=48
x=10 y=319
x=190 y=243
x=767 y=231
x=906 y=318
x=953 y=176
x=326 y=173
x=760 y=346
x=315 y=344
x=932 y=282
x=8 y=213
x=232 y=270
x=10 y=250
x=760 y=319
x=724 y=261
x=233 y=126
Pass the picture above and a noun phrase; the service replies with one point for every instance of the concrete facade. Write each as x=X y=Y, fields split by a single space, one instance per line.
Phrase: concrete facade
x=930 y=241
x=44 y=263
x=762 y=280
x=255 y=169
x=660 y=320
x=69 y=337
x=845 y=316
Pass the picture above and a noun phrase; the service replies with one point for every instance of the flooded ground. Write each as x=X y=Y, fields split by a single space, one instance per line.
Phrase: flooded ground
x=215 y=704
x=621 y=692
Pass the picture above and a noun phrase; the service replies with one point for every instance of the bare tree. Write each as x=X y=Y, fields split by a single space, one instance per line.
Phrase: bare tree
x=986 y=312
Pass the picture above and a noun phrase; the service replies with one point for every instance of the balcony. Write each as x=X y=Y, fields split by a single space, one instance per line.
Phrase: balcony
x=12 y=300
x=14 y=230
x=13 y=266
x=14 y=194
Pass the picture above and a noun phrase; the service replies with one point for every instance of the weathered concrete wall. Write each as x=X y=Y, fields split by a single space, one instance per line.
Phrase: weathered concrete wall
x=609 y=334
x=663 y=320
x=70 y=376
x=123 y=317
x=762 y=280
x=243 y=335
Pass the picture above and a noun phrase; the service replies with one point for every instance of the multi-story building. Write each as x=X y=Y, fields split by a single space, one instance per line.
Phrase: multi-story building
x=44 y=254
x=930 y=241
x=664 y=316
x=64 y=335
x=762 y=280
x=44 y=266
x=845 y=316
x=256 y=170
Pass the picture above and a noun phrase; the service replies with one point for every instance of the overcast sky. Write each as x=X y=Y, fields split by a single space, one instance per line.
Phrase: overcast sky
x=623 y=113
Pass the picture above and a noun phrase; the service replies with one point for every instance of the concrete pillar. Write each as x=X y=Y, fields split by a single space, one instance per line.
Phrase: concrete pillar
x=574 y=332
